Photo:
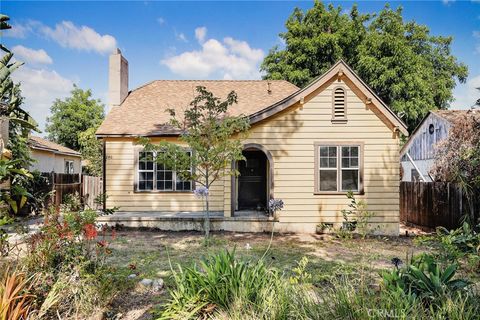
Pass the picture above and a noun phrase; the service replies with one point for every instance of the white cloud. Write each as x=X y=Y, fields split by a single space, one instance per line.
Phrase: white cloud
x=41 y=87
x=229 y=59
x=161 y=21
x=466 y=94
x=180 y=36
x=18 y=31
x=32 y=56
x=447 y=2
x=68 y=35
x=201 y=33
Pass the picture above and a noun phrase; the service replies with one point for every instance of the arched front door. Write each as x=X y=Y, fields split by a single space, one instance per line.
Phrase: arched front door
x=252 y=181
x=253 y=188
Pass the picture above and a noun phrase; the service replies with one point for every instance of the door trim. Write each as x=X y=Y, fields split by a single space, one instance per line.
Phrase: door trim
x=270 y=176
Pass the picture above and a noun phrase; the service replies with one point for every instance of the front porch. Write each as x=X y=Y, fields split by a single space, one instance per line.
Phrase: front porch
x=242 y=221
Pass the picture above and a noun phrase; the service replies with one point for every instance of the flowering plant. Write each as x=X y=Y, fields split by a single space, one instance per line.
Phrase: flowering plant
x=201 y=192
x=275 y=205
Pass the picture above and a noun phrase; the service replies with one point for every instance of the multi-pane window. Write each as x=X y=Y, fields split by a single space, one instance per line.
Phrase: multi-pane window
x=338 y=168
x=154 y=176
x=69 y=167
x=145 y=171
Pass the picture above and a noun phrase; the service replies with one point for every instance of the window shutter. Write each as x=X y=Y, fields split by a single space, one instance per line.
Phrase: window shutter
x=339 y=104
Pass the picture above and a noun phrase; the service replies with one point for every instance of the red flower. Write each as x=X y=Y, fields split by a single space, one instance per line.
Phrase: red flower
x=90 y=231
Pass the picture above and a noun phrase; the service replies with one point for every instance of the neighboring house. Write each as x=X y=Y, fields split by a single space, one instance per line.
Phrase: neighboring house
x=306 y=146
x=417 y=156
x=52 y=157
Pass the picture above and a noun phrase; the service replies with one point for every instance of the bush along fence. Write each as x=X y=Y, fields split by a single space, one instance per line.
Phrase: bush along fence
x=432 y=204
x=87 y=187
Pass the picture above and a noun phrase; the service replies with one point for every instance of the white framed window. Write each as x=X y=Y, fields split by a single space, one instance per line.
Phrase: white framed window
x=338 y=168
x=69 y=169
x=145 y=171
x=154 y=176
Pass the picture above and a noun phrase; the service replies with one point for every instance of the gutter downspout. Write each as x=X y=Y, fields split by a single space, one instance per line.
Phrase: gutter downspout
x=415 y=166
x=104 y=175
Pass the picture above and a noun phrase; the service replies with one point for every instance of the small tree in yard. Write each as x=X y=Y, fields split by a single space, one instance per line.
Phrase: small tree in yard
x=212 y=136
x=458 y=158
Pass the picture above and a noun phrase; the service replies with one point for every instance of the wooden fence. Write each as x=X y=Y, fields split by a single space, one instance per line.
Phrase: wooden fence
x=87 y=187
x=431 y=204
x=91 y=188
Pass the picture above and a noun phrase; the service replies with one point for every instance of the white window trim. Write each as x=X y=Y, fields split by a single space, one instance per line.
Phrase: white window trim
x=154 y=189
x=339 y=167
x=70 y=166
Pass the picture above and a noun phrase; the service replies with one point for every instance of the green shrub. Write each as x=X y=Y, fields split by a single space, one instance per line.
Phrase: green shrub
x=424 y=278
x=357 y=299
x=459 y=245
x=226 y=288
x=67 y=257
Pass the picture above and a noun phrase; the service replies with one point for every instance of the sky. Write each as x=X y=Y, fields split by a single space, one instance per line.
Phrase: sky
x=68 y=42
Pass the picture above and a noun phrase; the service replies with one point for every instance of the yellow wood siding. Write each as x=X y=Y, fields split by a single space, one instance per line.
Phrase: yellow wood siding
x=289 y=137
x=120 y=178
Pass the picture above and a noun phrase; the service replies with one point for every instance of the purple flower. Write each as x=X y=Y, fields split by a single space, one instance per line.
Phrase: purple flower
x=275 y=205
x=201 y=192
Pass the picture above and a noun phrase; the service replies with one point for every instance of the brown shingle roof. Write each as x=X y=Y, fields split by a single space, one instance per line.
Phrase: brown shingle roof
x=452 y=115
x=43 y=144
x=143 y=111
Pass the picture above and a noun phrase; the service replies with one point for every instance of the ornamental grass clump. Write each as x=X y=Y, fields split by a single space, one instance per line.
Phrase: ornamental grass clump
x=224 y=287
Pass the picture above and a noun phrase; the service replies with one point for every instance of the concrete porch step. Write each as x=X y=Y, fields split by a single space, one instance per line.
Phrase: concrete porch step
x=188 y=221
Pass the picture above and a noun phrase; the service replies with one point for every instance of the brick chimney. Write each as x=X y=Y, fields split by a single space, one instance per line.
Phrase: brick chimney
x=117 y=78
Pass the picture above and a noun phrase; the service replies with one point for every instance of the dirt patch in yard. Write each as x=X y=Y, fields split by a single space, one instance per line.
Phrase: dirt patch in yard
x=150 y=254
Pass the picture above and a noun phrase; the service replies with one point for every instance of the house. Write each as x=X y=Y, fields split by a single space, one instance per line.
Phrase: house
x=52 y=157
x=417 y=155
x=306 y=146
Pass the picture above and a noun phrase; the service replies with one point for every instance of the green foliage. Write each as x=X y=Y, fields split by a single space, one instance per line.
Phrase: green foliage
x=462 y=244
x=19 y=126
x=223 y=287
x=355 y=218
x=38 y=189
x=424 y=278
x=67 y=260
x=100 y=202
x=411 y=70
x=71 y=202
x=457 y=159
x=91 y=149
x=358 y=299
x=16 y=195
x=213 y=136
x=72 y=116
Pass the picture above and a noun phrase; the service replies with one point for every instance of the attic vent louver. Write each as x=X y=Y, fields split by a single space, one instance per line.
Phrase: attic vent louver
x=339 y=103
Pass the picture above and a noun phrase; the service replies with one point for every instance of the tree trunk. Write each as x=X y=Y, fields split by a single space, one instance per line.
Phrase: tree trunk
x=207 y=207
x=207 y=218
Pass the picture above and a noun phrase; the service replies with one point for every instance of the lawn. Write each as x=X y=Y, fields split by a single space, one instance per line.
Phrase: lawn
x=149 y=255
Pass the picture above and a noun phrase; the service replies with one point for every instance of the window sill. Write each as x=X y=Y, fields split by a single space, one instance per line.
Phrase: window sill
x=162 y=191
x=339 y=193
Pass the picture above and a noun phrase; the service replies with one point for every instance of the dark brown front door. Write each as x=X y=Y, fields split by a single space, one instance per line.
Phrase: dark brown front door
x=252 y=182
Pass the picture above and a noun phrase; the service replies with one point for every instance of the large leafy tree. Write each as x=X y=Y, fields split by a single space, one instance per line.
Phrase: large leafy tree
x=72 y=116
x=214 y=138
x=411 y=70
x=91 y=149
